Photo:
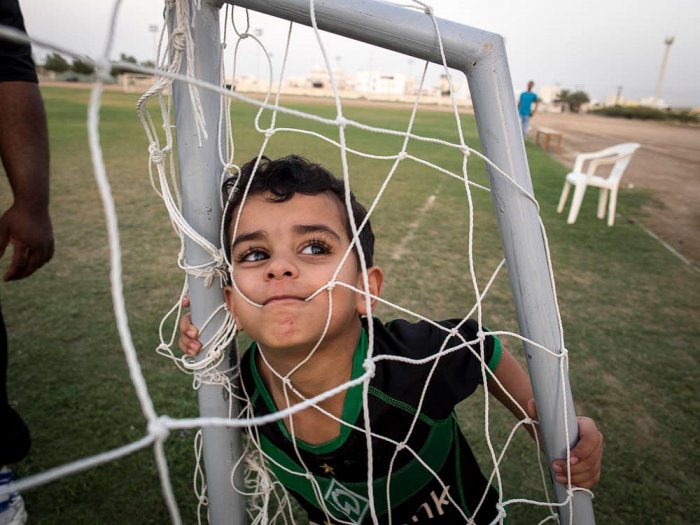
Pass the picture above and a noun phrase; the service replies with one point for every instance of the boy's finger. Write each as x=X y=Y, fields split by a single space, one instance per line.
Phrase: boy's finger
x=585 y=479
x=189 y=346
x=186 y=326
x=185 y=301
x=590 y=440
x=583 y=473
x=559 y=466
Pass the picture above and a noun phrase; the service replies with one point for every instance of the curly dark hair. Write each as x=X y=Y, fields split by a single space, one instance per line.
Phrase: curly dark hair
x=281 y=179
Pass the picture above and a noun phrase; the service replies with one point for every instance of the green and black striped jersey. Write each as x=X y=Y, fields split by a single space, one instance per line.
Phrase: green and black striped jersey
x=425 y=481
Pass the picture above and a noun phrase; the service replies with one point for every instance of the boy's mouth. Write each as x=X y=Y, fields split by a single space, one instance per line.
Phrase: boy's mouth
x=281 y=298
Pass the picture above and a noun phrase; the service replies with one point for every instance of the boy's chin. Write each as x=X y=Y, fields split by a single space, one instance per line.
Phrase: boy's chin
x=286 y=342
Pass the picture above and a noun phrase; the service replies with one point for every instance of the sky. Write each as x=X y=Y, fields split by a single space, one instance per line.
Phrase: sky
x=598 y=46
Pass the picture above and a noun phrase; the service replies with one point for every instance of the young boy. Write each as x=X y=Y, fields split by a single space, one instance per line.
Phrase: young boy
x=290 y=241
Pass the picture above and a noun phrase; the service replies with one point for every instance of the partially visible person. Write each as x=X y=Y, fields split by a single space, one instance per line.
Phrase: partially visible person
x=26 y=224
x=527 y=107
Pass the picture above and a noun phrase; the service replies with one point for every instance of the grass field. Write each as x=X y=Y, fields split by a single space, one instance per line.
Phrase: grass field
x=630 y=312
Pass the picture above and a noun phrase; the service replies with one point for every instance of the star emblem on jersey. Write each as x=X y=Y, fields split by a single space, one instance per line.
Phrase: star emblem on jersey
x=327 y=469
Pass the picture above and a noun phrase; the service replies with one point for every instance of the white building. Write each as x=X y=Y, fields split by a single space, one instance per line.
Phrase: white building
x=548 y=93
x=318 y=78
x=373 y=82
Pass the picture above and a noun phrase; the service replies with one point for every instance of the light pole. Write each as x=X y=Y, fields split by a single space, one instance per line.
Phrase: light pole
x=258 y=32
x=153 y=29
x=657 y=94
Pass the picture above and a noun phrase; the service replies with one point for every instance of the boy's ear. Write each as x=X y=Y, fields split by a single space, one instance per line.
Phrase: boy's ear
x=229 y=293
x=375 y=278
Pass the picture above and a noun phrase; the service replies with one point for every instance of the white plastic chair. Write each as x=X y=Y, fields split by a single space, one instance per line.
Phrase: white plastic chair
x=620 y=156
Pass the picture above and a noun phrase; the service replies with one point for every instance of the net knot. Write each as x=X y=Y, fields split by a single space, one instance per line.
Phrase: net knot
x=402 y=155
x=428 y=10
x=178 y=37
x=401 y=446
x=155 y=153
x=158 y=429
x=103 y=68
x=341 y=122
x=309 y=476
x=219 y=260
x=454 y=332
x=501 y=511
x=466 y=151
x=330 y=285
x=481 y=335
x=269 y=132
x=217 y=270
x=369 y=367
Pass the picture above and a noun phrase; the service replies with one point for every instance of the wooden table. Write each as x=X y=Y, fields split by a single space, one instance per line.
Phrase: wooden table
x=550 y=136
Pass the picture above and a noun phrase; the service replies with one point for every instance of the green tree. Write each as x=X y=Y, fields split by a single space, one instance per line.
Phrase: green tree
x=82 y=67
x=574 y=99
x=55 y=62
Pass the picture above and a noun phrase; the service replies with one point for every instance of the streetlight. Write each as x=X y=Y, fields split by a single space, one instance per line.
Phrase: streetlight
x=258 y=32
x=153 y=29
x=668 y=41
x=618 y=95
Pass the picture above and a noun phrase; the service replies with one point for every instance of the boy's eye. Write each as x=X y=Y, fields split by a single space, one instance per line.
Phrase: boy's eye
x=252 y=256
x=315 y=248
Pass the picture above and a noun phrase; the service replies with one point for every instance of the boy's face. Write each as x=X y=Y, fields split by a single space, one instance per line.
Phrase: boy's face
x=282 y=253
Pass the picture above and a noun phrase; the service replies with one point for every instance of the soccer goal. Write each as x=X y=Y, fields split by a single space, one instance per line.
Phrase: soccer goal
x=416 y=33
x=192 y=151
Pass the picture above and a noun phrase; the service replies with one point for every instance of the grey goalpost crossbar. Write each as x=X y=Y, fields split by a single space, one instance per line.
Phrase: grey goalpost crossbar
x=481 y=56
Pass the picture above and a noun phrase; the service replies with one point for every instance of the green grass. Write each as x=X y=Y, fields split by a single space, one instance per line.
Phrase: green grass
x=630 y=313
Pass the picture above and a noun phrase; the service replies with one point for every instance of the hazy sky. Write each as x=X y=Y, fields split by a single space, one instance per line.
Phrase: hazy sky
x=594 y=45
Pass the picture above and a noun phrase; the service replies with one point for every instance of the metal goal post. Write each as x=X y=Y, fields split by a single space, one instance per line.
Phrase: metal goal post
x=481 y=56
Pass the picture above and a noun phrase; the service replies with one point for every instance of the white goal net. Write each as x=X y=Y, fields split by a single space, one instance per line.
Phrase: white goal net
x=421 y=174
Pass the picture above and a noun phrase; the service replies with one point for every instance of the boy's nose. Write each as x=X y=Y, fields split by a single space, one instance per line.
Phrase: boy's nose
x=281 y=267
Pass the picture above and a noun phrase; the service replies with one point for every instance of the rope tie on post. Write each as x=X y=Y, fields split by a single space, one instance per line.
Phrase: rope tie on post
x=179 y=40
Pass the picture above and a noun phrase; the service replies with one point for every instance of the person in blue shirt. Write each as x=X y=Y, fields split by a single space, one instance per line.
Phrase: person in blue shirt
x=527 y=106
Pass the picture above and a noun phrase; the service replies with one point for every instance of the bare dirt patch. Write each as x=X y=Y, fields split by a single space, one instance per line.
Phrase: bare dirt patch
x=668 y=164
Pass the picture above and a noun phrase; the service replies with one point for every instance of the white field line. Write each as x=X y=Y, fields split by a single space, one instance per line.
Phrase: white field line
x=398 y=252
x=669 y=247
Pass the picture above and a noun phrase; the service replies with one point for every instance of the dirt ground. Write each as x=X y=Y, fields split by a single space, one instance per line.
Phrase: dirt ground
x=667 y=163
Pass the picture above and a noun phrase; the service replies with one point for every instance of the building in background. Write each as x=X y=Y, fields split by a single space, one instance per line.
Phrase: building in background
x=369 y=85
